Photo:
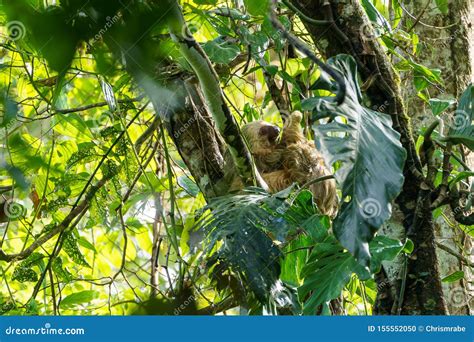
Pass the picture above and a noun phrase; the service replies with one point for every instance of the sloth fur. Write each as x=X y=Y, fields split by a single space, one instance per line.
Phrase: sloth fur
x=287 y=159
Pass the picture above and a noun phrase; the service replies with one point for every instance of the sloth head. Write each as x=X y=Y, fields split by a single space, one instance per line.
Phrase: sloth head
x=261 y=135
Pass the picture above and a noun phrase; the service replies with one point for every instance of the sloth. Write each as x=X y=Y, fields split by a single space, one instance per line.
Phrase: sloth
x=287 y=158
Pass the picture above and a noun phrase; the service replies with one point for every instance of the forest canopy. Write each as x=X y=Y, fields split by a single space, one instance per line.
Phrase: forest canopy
x=122 y=129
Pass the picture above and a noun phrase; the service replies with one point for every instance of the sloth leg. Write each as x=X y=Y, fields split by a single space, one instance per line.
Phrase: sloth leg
x=277 y=180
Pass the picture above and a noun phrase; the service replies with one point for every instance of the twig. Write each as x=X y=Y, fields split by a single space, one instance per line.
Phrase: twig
x=222 y=306
x=417 y=20
x=53 y=294
x=86 y=107
x=455 y=254
x=401 y=295
x=423 y=23
x=125 y=243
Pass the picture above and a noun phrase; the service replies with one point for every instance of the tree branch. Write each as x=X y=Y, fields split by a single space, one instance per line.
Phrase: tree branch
x=225 y=122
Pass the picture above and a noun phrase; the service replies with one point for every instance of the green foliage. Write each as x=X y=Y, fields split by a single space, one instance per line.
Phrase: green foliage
x=443 y=6
x=238 y=239
x=220 y=51
x=439 y=105
x=329 y=267
x=257 y=7
x=375 y=16
x=453 y=277
x=72 y=250
x=85 y=91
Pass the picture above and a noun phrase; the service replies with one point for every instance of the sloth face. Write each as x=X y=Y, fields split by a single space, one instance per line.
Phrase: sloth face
x=269 y=132
x=261 y=134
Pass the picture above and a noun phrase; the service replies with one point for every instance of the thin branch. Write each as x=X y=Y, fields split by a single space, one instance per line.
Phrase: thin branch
x=423 y=23
x=222 y=306
x=86 y=107
x=447 y=167
x=417 y=20
x=125 y=243
x=455 y=254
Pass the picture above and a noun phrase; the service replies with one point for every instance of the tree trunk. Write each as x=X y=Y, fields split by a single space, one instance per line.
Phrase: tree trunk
x=447 y=45
x=423 y=293
x=198 y=142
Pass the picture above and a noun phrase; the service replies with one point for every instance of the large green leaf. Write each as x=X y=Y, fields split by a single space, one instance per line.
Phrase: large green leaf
x=443 y=6
x=383 y=248
x=461 y=129
x=458 y=275
x=327 y=271
x=109 y=94
x=371 y=161
x=440 y=105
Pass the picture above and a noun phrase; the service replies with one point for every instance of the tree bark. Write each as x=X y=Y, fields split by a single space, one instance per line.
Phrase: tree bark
x=200 y=146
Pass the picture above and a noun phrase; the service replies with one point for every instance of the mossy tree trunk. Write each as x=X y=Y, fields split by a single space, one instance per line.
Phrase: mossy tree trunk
x=446 y=43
